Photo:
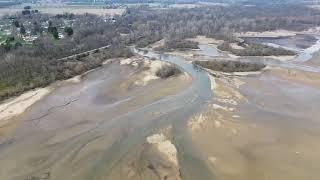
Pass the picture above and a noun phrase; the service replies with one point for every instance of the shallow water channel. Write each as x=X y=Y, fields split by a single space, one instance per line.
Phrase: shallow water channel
x=81 y=131
x=84 y=130
x=304 y=45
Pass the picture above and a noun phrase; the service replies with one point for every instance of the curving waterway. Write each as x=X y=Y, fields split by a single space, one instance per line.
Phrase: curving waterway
x=85 y=130
x=304 y=48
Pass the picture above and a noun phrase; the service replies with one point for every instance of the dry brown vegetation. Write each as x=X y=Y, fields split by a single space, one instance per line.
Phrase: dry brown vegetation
x=36 y=64
x=168 y=71
x=254 y=49
x=18 y=75
x=177 y=45
x=230 y=66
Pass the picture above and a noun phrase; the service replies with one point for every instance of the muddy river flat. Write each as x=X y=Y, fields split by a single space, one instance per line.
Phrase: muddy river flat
x=121 y=122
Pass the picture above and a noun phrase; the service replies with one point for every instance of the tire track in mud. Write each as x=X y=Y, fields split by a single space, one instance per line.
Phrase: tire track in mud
x=37 y=120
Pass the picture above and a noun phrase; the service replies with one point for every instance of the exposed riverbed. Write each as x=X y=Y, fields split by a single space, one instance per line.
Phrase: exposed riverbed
x=109 y=125
x=263 y=126
x=82 y=130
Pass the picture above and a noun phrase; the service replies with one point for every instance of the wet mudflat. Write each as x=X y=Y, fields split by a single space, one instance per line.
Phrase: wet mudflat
x=271 y=132
x=83 y=130
x=113 y=125
x=262 y=126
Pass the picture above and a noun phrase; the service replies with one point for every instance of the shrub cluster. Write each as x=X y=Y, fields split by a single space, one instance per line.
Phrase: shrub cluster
x=177 y=45
x=168 y=71
x=230 y=66
x=254 y=49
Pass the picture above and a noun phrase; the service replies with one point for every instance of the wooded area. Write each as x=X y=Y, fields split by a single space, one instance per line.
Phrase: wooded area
x=29 y=66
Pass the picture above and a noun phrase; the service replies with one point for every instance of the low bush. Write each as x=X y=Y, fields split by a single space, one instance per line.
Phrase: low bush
x=168 y=71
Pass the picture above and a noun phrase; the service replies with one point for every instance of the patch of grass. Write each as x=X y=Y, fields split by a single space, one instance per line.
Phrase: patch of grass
x=230 y=66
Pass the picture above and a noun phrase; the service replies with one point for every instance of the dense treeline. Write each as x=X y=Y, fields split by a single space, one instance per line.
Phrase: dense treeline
x=37 y=64
x=266 y=18
x=146 y=25
x=18 y=74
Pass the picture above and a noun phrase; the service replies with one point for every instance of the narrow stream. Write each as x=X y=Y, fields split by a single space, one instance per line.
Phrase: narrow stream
x=201 y=82
x=191 y=166
x=176 y=111
x=128 y=129
x=296 y=63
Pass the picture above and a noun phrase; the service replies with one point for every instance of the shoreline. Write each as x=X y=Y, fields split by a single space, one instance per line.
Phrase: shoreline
x=16 y=105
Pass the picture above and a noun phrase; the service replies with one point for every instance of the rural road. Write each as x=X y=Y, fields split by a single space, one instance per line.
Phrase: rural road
x=83 y=53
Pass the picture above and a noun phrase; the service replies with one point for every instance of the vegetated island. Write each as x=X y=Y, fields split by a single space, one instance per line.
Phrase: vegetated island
x=230 y=66
x=180 y=45
x=242 y=48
